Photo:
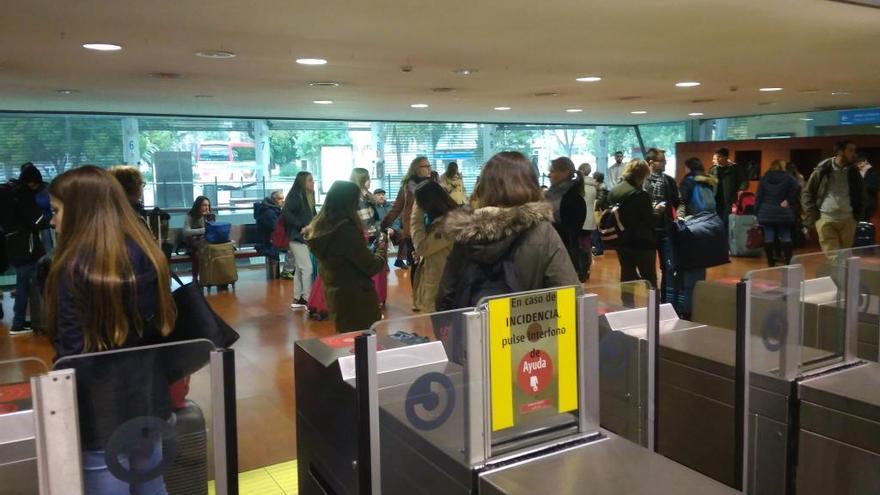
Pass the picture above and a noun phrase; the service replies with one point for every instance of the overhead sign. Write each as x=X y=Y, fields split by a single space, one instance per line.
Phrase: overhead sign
x=859 y=117
x=533 y=356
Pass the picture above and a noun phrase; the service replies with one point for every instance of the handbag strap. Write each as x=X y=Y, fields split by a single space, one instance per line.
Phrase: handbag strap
x=176 y=278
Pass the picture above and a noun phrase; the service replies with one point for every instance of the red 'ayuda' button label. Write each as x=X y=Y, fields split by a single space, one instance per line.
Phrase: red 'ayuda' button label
x=535 y=372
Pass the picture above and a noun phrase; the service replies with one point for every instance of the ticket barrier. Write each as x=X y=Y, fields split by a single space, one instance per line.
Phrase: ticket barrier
x=133 y=419
x=500 y=399
x=703 y=390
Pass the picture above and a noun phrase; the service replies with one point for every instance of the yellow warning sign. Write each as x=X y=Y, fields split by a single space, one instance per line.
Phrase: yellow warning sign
x=533 y=356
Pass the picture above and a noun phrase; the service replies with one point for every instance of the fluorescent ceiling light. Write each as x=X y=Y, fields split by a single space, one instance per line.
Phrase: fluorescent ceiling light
x=102 y=47
x=638 y=112
x=589 y=79
x=574 y=110
x=419 y=105
x=806 y=119
x=771 y=89
x=66 y=91
x=311 y=61
x=465 y=72
x=687 y=84
x=215 y=54
x=323 y=102
x=839 y=93
x=501 y=109
x=204 y=96
x=696 y=114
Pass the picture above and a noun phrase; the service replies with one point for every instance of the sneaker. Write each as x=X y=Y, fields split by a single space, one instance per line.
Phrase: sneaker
x=17 y=330
x=297 y=306
x=287 y=275
x=399 y=263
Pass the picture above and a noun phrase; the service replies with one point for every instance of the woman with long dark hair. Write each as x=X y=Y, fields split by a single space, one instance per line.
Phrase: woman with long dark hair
x=432 y=245
x=194 y=229
x=298 y=212
x=346 y=264
x=108 y=288
x=566 y=194
x=511 y=221
x=419 y=170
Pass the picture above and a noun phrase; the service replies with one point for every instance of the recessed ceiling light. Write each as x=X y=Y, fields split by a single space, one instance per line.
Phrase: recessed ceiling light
x=589 y=79
x=465 y=72
x=696 y=114
x=311 y=61
x=419 y=105
x=324 y=84
x=502 y=109
x=215 y=54
x=66 y=91
x=839 y=93
x=574 y=110
x=204 y=96
x=102 y=47
x=771 y=89
x=546 y=93
x=639 y=112
x=323 y=102
x=444 y=90
x=687 y=84
x=166 y=75
x=806 y=119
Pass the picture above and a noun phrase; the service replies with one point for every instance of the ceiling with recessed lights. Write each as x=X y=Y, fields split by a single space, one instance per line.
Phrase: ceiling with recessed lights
x=390 y=57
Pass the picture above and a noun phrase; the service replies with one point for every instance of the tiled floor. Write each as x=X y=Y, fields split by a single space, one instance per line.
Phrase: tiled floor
x=278 y=479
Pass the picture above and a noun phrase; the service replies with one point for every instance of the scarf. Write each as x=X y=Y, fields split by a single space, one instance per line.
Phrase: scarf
x=555 y=194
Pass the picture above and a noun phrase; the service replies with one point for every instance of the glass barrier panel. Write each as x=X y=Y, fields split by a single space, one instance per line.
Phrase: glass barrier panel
x=868 y=326
x=823 y=300
x=623 y=358
x=428 y=400
x=15 y=383
x=775 y=323
x=532 y=367
x=144 y=416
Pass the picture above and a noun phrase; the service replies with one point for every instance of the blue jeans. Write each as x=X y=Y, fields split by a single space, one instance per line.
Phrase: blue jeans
x=667 y=282
x=24 y=278
x=98 y=479
x=597 y=241
x=772 y=231
x=684 y=283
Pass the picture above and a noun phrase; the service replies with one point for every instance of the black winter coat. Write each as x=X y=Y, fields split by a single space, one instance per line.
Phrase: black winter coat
x=636 y=215
x=298 y=213
x=775 y=187
x=266 y=215
x=21 y=220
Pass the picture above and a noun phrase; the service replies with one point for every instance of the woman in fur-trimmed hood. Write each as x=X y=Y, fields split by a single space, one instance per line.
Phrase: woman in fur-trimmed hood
x=512 y=220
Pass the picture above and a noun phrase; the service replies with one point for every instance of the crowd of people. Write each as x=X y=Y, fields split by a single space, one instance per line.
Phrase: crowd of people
x=86 y=257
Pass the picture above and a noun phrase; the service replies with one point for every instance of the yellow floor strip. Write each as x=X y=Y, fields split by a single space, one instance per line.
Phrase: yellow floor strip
x=279 y=479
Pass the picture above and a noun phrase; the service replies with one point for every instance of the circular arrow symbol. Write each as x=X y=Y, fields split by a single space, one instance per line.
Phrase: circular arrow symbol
x=423 y=402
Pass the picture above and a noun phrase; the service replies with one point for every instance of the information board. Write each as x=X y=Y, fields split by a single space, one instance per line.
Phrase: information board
x=533 y=356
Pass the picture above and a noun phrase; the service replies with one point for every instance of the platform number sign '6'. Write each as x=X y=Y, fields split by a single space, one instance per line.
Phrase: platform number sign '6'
x=430 y=401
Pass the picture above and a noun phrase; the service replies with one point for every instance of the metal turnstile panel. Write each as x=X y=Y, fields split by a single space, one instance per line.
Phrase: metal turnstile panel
x=611 y=466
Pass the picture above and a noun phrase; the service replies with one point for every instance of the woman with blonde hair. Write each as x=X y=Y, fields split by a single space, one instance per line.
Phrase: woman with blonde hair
x=775 y=204
x=419 y=171
x=453 y=184
x=108 y=288
x=637 y=242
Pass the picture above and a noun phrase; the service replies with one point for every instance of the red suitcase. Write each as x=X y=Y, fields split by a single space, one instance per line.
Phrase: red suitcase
x=316 y=303
x=380 y=282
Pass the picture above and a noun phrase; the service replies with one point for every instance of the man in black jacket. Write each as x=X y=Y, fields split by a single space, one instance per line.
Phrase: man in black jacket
x=732 y=178
x=665 y=200
x=22 y=220
x=834 y=198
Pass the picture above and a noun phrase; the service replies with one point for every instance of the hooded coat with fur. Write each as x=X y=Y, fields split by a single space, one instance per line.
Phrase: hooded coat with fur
x=485 y=235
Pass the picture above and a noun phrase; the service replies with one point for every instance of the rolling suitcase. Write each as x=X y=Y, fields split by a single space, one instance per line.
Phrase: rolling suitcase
x=865 y=235
x=217 y=265
x=738 y=235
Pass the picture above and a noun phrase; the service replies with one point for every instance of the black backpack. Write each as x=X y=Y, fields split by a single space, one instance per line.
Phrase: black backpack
x=478 y=281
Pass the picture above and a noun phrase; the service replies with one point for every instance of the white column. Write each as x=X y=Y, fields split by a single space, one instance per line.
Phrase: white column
x=601 y=149
x=131 y=150
x=487 y=132
x=261 y=144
